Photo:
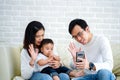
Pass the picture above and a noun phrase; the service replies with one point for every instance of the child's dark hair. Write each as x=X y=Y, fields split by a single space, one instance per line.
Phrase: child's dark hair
x=46 y=41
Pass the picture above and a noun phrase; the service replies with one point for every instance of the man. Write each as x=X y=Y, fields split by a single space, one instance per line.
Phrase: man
x=98 y=54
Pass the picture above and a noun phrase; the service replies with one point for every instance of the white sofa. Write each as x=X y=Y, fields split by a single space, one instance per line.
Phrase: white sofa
x=10 y=60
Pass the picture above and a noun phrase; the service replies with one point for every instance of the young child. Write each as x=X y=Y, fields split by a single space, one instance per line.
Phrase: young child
x=46 y=56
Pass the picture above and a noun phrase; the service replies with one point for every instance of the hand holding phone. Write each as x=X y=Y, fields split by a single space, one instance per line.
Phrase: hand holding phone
x=79 y=55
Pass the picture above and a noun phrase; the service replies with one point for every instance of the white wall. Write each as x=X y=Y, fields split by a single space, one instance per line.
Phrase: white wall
x=103 y=17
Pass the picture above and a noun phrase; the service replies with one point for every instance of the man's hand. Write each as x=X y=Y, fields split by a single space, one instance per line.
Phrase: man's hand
x=73 y=49
x=84 y=64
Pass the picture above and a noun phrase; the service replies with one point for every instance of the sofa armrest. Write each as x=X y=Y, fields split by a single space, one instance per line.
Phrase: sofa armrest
x=9 y=61
x=4 y=65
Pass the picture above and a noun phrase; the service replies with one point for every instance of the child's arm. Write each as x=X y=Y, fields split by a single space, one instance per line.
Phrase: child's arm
x=55 y=57
x=43 y=62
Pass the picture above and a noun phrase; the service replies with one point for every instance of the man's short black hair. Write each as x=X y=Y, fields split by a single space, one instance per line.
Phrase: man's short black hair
x=82 y=23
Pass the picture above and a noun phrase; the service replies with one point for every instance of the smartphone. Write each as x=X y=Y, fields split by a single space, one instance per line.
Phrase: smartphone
x=79 y=55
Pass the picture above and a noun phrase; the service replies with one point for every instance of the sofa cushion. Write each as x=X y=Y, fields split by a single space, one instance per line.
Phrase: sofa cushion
x=64 y=55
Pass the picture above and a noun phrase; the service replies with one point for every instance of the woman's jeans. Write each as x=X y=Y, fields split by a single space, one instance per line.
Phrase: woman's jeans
x=102 y=74
x=42 y=76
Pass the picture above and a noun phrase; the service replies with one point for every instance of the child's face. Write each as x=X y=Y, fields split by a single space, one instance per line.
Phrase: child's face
x=47 y=49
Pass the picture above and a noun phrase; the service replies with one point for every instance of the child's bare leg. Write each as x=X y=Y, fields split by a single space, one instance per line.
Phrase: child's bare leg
x=56 y=78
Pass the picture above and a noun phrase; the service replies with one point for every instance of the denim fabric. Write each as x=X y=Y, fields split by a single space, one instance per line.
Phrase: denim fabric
x=53 y=74
x=62 y=72
x=64 y=76
x=102 y=74
x=51 y=71
x=63 y=69
x=40 y=76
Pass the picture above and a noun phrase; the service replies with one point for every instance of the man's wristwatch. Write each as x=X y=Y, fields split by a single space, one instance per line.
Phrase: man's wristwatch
x=91 y=66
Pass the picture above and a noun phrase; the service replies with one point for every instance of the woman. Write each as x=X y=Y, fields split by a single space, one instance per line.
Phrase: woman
x=34 y=34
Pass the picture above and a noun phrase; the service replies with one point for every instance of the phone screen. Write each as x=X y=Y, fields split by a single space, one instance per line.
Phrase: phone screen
x=79 y=55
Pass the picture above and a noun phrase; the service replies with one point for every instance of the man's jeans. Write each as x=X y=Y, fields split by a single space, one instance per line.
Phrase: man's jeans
x=102 y=74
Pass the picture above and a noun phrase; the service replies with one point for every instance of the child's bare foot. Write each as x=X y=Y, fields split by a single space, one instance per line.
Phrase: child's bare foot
x=76 y=73
x=79 y=73
x=56 y=78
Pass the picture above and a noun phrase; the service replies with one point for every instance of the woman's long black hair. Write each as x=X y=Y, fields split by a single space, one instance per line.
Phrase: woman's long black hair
x=30 y=32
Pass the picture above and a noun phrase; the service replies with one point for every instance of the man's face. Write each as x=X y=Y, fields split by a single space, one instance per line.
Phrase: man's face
x=80 y=35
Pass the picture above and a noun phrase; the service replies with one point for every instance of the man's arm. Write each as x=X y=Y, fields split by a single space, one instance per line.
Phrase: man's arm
x=106 y=53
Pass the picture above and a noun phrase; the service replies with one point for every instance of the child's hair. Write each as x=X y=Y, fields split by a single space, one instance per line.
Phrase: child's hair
x=46 y=41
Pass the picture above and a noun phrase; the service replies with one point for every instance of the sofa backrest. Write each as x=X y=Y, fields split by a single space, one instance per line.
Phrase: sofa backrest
x=10 y=59
x=64 y=54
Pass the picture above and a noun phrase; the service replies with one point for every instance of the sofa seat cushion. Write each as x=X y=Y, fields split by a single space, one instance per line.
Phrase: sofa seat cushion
x=18 y=78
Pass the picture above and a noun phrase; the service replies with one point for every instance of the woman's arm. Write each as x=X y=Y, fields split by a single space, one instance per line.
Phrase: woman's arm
x=28 y=62
x=26 y=69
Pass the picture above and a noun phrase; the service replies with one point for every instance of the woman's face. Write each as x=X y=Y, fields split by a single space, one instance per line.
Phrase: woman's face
x=39 y=37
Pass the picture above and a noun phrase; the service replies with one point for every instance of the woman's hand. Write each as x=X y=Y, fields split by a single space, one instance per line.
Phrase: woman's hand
x=34 y=53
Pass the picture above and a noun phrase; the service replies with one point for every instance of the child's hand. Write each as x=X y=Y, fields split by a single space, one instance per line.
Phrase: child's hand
x=55 y=64
x=57 y=58
x=50 y=58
